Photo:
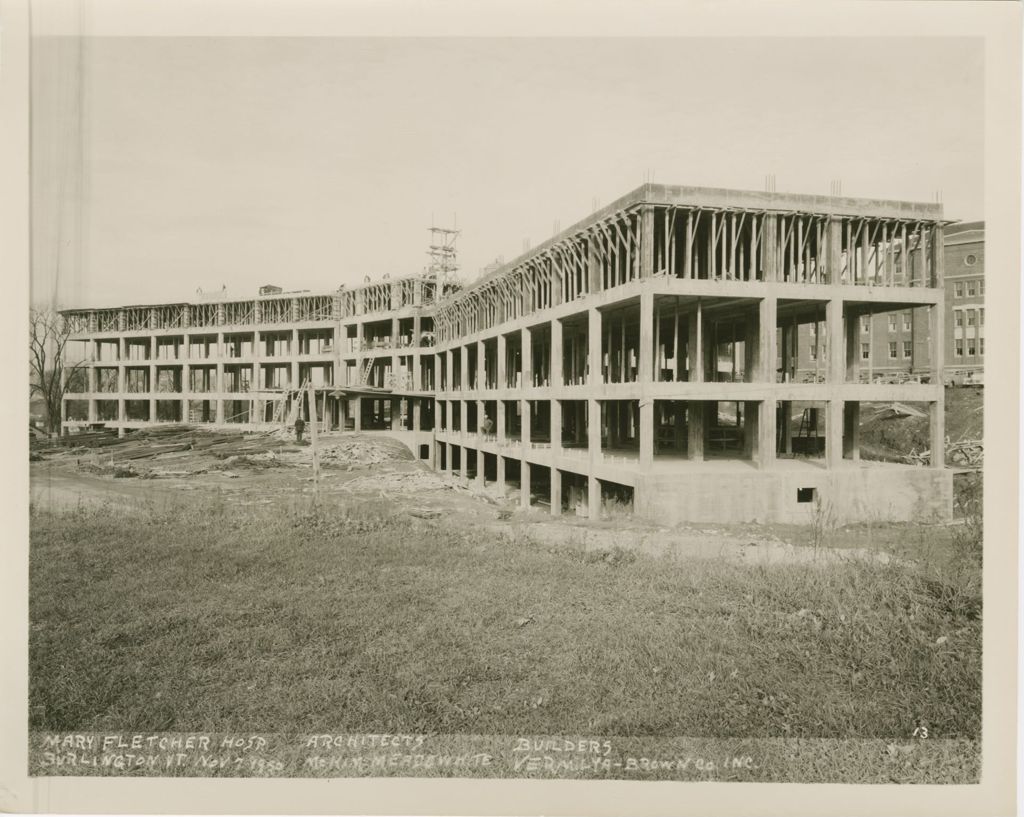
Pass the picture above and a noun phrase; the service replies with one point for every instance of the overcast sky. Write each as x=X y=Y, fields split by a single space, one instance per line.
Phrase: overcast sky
x=164 y=165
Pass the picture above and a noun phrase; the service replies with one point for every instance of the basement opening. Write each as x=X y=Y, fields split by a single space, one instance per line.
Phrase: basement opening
x=806 y=494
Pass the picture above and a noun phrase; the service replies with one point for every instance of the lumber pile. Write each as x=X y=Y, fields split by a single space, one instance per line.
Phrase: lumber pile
x=152 y=442
x=965 y=453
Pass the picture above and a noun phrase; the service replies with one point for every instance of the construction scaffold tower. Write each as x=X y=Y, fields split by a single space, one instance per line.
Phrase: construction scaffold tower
x=443 y=264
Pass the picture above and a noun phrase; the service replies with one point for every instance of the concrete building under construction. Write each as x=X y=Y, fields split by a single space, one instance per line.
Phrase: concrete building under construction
x=645 y=356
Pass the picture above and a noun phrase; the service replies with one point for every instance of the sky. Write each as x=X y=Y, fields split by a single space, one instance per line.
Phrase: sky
x=162 y=166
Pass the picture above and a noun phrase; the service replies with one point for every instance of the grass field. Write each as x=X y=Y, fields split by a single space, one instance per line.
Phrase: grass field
x=209 y=617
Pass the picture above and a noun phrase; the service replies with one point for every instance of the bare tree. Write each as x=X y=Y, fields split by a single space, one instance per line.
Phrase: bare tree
x=50 y=374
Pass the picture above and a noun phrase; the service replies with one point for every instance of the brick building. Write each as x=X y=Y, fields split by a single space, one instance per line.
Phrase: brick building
x=894 y=345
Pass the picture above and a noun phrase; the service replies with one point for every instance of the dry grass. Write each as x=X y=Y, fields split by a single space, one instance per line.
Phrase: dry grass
x=213 y=618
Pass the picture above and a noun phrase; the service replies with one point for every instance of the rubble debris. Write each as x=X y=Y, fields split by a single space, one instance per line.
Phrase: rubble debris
x=424 y=513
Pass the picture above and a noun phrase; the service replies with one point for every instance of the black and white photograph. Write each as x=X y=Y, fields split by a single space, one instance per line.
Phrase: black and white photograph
x=550 y=406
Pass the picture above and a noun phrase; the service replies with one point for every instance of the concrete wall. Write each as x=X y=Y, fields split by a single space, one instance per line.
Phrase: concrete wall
x=875 y=493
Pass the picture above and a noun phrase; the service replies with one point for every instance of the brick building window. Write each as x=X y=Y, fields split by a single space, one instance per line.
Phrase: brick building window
x=892 y=349
x=972 y=289
x=865 y=351
x=981 y=346
x=970 y=347
x=907 y=348
x=865 y=324
x=908 y=321
x=958 y=317
x=958 y=289
x=958 y=348
x=981 y=317
x=892 y=323
x=970 y=317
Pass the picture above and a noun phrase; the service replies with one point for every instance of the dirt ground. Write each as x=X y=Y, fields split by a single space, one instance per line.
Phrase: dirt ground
x=362 y=467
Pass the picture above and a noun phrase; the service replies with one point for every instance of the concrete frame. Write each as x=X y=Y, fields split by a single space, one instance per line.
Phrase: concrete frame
x=767 y=257
x=835 y=254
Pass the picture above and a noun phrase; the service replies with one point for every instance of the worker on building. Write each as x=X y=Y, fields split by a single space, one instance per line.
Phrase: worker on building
x=300 y=426
x=487 y=425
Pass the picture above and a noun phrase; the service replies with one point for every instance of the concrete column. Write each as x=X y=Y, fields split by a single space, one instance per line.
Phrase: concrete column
x=416 y=409
x=594 y=347
x=695 y=415
x=852 y=332
x=836 y=341
x=766 y=340
x=556 y=354
x=499 y=422
x=257 y=372
x=835 y=251
x=417 y=363
x=501 y=474
x=594 y=453
x=524 y=496
x=525 y=425
x=647 y=241
x=787 y=426
x=527 y=354
x=464 y=373
x=593 y=266
x=646 y=372
x=449 y=381
x=937 y=319
x=360 y=363
x=479 y=479
x=294 y=350
x=480 y=414
x=556 y=491
x=695 y=344
x=186 y=391
x=937 y=427
x=834 y=433
x=556 y=428
x=751 y=429
x=395 y=362
x=481 y=366
x=502 y=373
x=524 y=484
x=357 y=413
x=766 y=432
x=396 y=414
x=646 y=432
x=851 y=430
x=152 y=380
x=218 y=386
x=771 y=249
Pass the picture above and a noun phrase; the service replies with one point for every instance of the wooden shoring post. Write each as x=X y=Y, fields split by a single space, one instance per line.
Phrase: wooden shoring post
x=313 y=439
x=783 y=236
x=688 y=246
x=886 y=254
x=904 y=254
x=791 y=246
x=712 y=239
x=923 y=243
x=656 y=374
x=800 y=244
x=734 y=239
x=722 y=242
x=675 y=338
x=621 y=242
